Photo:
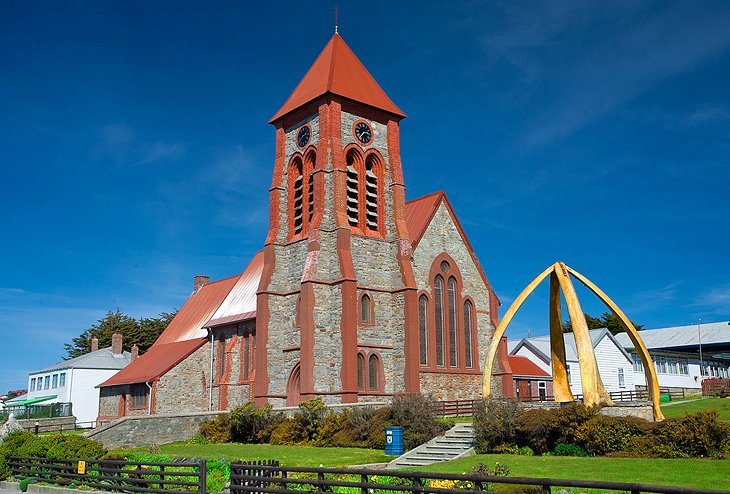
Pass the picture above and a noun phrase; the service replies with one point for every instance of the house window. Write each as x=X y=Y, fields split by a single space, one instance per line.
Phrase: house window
x=542 y=390
x=32 y=383
x=423 y=327
x=567 y=371
x=638 y=366
x=621 y=380
x=438 y=288
x=453 y=346
x=61 y=379
x=46 y=382
x=139 y=395
x=373 y=368
x=683 y=367
x=54 y=382
x=360 y=370
x=468 y=333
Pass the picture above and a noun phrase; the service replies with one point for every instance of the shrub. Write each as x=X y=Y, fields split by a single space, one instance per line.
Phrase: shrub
x=494 y=425
x=698 y=435
x=217 y=430
x=542 y=429
x=9 y=447
x=563 y=449
x=312 y=415
x=23 y=486
x=605 y=434
x=414 y=412
x=288 y=433
x=248 y=422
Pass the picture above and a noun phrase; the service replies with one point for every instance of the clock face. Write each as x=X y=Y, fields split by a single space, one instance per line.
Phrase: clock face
x=363 y=132
x=303 y=136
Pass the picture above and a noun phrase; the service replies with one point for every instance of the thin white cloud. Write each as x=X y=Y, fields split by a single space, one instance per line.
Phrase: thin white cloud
x=119 y=143
x=715 y=300
x=653 y=299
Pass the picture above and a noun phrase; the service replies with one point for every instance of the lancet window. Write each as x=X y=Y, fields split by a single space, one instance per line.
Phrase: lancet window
x=363 y=184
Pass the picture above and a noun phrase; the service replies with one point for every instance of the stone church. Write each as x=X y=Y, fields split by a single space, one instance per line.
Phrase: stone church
x=357 y=294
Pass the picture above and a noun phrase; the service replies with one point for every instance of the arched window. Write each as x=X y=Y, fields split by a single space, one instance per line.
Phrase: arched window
x=373 y=371
x=360 y=370
x=468 y=312
x=371 y=192
x=296 y=184
x=366 y=309
x=438 y=293
x=423 y=327
x=353 y=187
x=221 y=355
x=298 y=312
x=453 y=338
x=308 y=168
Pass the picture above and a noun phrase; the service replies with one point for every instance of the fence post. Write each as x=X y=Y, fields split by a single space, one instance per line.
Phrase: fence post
x=545 y=489
x=203 y=474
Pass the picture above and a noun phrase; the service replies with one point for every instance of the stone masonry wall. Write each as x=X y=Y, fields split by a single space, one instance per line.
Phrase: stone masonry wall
x=445 y=386
x=441 y=236
x=184 y=388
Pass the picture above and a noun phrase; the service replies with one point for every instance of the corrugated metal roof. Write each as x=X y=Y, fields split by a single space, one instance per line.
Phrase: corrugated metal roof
x=523 y=366
x=337 y=70
x=155 y=362
x=189 y=322
x=419 y=213
x=542 y=344
x=240 y=304
x=100 y=359
x=716 y=333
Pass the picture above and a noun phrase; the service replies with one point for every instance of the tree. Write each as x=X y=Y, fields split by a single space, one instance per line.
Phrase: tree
x=607 y=320
x=142 y=332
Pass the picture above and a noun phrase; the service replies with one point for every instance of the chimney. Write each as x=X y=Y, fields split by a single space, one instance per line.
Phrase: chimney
x=199 y=280
x=135 y=352
x=94 y=344
x=117 y=344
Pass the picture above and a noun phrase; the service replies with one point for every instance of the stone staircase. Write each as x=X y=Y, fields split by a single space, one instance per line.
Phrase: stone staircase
x=457 y=442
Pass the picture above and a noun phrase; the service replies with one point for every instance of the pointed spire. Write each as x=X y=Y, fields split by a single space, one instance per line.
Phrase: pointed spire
x=337 y=70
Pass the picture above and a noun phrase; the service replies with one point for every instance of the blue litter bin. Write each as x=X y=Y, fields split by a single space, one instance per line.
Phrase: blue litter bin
x=394 y=441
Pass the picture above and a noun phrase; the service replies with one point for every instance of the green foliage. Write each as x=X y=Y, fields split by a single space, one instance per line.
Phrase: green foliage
x=494 y=425
x=603 y=434
x=288 y=433
x=542 y=429
x=217 y=430
x=249 y=423
x=414 y=413
x=513 y=449
x=54 y=446
x=563 y=449
x=311 y=417
x=23 y=486
x=692 y=436
x=143 y=332
x=607 y=320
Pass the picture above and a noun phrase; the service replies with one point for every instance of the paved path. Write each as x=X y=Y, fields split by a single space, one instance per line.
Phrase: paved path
x=681 y=401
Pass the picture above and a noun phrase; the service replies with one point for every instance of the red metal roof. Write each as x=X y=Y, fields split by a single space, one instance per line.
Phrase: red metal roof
x=190 y=321
x=240 y=304
x=420 y=212
x=523 y=366
x=337 y=70
x=155 y=362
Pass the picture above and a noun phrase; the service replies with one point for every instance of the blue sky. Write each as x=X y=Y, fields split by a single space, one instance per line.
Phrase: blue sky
x=134 y=149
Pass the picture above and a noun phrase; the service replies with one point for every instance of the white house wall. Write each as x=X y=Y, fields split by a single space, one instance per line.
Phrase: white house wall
x=610 y=359
x=84 y=394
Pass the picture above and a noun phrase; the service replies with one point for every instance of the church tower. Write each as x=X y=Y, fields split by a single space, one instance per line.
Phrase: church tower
x=337 y=313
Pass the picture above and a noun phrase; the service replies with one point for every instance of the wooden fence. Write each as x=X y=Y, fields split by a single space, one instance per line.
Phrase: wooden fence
x=715 y=386
x=115 y=475
x=292 y=480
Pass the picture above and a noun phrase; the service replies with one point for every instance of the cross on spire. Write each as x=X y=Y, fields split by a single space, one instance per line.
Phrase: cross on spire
x=337 y=11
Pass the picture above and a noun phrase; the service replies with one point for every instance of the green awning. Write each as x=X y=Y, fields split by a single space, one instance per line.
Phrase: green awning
x=32 y=401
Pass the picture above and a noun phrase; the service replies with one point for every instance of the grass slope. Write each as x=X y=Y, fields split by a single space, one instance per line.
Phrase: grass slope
x=294 y=456
x=698 y=473
x=721 y=405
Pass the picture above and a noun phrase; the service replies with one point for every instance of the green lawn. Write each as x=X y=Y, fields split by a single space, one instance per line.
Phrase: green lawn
x=287 y=455
x=721 y=405
x=699 y=473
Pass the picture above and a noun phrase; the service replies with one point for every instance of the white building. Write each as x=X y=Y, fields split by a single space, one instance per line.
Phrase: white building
x=74 y=381
x=676 y=354
x=614 y=363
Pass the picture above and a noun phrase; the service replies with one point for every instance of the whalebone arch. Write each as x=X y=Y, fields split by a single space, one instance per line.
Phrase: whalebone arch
x=594 y=392
x=301 y=191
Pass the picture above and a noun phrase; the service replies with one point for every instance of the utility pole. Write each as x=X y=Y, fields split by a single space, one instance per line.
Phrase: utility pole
x=699 y=340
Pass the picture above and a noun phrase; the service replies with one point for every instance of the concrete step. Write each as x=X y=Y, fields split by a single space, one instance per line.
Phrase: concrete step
x=455 y=443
